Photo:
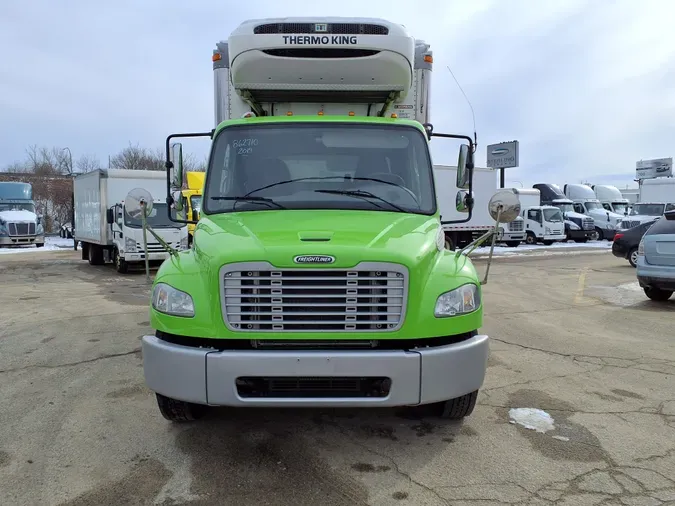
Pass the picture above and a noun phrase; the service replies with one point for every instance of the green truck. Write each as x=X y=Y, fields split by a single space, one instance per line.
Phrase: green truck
x=319 y=275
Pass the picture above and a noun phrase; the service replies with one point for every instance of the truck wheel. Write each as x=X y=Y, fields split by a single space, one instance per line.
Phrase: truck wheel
x=596 y=235
x=449 y=244
x=633 y=256
x=179 y=411
x=547 y=243
x=454 y=409
x=530 y=238
x=513 y=244
x=121 y=265
x=95 y=254
x=657 y=294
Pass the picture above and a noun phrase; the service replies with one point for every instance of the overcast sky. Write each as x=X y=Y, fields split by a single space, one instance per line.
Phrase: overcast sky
x=587 y=87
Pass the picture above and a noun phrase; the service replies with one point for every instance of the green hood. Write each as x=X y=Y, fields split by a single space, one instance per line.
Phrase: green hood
x=349 y=236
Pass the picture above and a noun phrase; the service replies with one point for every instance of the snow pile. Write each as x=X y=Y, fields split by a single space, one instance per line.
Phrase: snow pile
x=51 y=244
x=532 y=418
x=539 y=249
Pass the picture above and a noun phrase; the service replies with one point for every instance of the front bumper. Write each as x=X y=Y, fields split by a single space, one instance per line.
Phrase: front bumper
x=21 y=240
x=512 y=236
x=140 y=257
x=419 y=376
x=579 y=234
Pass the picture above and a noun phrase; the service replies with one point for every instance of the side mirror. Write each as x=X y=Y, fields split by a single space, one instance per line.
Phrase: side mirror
x=464 y=167
x=463 y=201
x=176 y=172
x=110 y=216
x=177 y=200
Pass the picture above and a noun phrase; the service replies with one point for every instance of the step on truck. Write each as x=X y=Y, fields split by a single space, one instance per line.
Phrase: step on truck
x=20 y=225
x=108 y=233
x=319 y=274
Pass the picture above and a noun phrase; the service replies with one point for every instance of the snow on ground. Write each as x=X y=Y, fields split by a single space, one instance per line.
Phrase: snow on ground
x=52 y=243
x=532 y=418
x=558 y=248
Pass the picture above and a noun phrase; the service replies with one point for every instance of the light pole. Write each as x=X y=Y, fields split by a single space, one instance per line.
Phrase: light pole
x=70 y=155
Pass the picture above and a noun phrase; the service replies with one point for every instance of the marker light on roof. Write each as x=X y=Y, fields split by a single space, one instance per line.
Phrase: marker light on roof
x=216 y=57
x=289 y=113
x=320 y=113
x=351 y=113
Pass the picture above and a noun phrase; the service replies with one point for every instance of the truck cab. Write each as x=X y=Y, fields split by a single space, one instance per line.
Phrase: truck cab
x=578 y=226
x=19 y=222
x=585 y=202
x=543 y=223
x=319 y=274
x=611 y=199
x=642 y=212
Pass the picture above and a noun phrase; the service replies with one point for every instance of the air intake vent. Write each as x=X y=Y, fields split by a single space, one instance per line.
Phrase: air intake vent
x=321 y=52
x=323 y=28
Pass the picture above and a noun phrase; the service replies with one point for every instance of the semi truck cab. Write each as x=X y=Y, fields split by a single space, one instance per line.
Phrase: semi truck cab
x=585 y=202
x=19 y=222
x=318 y=274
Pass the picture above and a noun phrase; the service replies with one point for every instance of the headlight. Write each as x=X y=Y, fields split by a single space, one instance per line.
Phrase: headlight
x=462 y=300
x=574 y=226
x=548 y=230
x=166 y=299
x=129 y=244
x=184 y=243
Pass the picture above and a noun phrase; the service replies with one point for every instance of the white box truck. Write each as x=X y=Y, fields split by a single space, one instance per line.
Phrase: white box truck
x=107 y=232
x=484 y=186
x=543 y=223
x=657 y=196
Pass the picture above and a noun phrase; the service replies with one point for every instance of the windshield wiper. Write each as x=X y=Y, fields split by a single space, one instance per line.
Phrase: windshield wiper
x=362 y=194
x=262 y=200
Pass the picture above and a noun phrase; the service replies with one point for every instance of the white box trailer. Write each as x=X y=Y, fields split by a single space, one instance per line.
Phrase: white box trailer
x=484 y=186
x=99 y=197
x=659 y=189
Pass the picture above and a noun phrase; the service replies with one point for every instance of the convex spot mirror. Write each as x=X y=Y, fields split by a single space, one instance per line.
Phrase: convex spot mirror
x=137 y=201
x=464 y=167
x=508 y=203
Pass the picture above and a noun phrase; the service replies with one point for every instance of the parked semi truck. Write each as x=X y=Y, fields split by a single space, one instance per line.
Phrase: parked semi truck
x=19 y=223
x=484 y=186
x=584 y=201
x=611 y=199
x=319 y=274
x=108 y=233
x=578 y=226
x=543 y=223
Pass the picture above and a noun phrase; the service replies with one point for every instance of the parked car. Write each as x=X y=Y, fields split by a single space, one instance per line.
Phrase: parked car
x=626 y=242
x=656 y=259
x=66 y=231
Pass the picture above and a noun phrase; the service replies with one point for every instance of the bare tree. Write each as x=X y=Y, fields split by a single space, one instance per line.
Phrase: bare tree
x=47 y=161
x=136 y=158
x=87 y=163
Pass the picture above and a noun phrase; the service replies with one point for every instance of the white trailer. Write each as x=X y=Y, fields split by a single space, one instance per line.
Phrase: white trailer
x=484 y=186
x=107 y=232
x=659 y=189
x=657 y=196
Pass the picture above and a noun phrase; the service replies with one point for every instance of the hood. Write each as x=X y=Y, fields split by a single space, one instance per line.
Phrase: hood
x=18 y=216
x=574 y=214
x=349 y=236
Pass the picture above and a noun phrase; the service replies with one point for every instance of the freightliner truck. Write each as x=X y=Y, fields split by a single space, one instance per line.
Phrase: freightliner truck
x=19 y=223
x=318 y=275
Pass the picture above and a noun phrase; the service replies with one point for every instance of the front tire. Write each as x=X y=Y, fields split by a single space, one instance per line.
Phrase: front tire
x=596 y=235
x=179 y=411
x=657 y=294
x=453 y=409
x=530 y=239
x=121 y=265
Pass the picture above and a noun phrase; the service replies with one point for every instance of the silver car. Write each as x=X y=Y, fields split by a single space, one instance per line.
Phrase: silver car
x=656 y=259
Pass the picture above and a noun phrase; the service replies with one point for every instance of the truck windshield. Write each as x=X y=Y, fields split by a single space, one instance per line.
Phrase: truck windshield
x=647 y=209
x=158 y=218
x=320 y=166
x=552 y=215
x=565 y=208
x=592 y=206
x=620 y=207
x=17 y=207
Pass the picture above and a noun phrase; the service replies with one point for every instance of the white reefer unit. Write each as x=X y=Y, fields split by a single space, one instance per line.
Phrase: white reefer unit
x=322 y=65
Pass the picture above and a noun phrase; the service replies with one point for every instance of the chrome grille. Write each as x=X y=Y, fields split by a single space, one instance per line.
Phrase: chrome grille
x=18 y=229
x=370 y=297
x=629 y=224
x=330 y=28
x=153 y=247
x=588 y=224
x=516 y=226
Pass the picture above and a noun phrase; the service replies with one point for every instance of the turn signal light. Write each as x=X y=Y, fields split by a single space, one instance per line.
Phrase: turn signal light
x=394 y=115
x=216 y=57
x=289 y=113
x=351 y=113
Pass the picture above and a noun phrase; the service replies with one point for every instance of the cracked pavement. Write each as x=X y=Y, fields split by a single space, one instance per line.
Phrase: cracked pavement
x=79 y=427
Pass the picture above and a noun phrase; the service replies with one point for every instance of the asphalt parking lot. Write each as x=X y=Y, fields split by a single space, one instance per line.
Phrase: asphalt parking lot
x=572 y=335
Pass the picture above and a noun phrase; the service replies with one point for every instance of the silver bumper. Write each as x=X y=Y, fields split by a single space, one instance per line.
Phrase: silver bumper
x=417 y=377
x=17 y=240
